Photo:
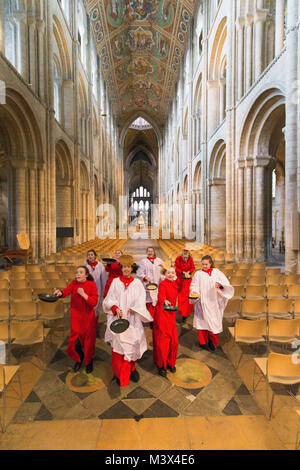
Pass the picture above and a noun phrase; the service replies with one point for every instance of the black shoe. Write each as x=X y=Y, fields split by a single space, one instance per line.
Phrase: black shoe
x=204 y=347
x=135 y=376
x=89 y=368
x=183 y=320
x=172 y=369
x=118 y=382
x=77 y=366
x=211 y=345
x=162 y=372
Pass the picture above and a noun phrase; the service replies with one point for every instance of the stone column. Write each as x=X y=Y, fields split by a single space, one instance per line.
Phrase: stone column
x=248 y=211
x=240 y=23
x=260 y=17
x=42 y=211
x=21 y=226
x=213 y=101
x=259 y=213
x=279 y=26
x=40 y=25
x=291 y=139
x=33 y=229
x=2 y=40
x=32 y=52
x=240 y=211
x=24 y=48
x=222 y=84
x=249 y=49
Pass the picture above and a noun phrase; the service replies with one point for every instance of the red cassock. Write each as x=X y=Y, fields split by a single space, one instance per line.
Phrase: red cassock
x=83 y=320
x=165 y=337
x=184 y=306
x=114 y=270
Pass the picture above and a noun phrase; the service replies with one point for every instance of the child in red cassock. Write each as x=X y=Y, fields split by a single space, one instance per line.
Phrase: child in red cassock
x=84 y=299
x=165 y=337
x=185 y=267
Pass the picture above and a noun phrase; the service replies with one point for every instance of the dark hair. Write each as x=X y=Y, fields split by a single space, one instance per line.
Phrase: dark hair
x=92 y=251
x=89 y=276
x=209 y=258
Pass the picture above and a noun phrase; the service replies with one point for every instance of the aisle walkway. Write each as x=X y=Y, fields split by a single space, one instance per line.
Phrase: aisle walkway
x=207 y=409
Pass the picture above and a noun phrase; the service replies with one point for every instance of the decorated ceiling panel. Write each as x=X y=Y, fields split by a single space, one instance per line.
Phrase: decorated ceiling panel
x=140 y=44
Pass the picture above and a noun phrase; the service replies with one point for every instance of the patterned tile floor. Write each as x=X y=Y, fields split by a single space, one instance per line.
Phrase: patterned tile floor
x=152 y=397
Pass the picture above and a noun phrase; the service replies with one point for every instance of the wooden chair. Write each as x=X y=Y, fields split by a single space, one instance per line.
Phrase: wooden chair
x=294 y=291
x=256 y=281
x=232 y=310
x=283 y=331
x=297 y=308
x=21 y=295
x=20 y=284
x=274 y=280
x=4 y=311
x=239 y=292
x=4 y=284
x=4 y=275
x=24 y=311
x=276 y=292
x=280 y=308
x=249 y=332
x=4 y=295
x=4 y=331
x=291 y=279
x=238 y=281
x=254 y=309
x=255 y=292
x=28 y=333
x=278 y=368
x=7 y=373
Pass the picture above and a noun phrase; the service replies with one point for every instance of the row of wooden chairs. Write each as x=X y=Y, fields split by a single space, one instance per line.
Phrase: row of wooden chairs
x=255 y=309
x=31 y=310
x=267 y=291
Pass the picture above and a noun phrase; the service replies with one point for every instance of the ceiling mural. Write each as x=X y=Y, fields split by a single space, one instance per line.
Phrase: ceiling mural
x=140 y=44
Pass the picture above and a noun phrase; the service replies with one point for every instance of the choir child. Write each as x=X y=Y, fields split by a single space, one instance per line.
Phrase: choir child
x=215 y=291
x=99 y=275
x=165 y=337
x=126 y=299
x=185 y=268
x=114 y=270
x=84 y=299
x=149 y=271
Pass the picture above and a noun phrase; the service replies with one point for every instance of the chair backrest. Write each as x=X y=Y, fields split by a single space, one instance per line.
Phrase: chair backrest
x=4 y=275
x=45 y=308
x=239 y=291
x=38 y=283
x=23 y=309
x=274 y=280
x=284 y=328
x=4 y=284
x=273 y=272
x=4 y=310
x=256 y=281
x=23 y=241
x=18 y=269
x=21 y=294
x=241 y=273
x=297 y=306
x=255 y=291
x=280 y=305
x=20 y=284
x=254 y=306
x=34 y=268
x=276 y=291
x=57 y=283
x=294 y=290
x=233 y=306
x=292 y=279
x=4 y=331
x=4 y=295
x=283 y=365
x=30 y=332
x=18 y=276
x=238 y=281
x=250 y=328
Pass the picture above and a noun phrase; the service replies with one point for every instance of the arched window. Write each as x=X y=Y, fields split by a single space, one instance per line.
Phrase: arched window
x=12 y=33
x=274 y=181
x=57 y=90
x=82 y=32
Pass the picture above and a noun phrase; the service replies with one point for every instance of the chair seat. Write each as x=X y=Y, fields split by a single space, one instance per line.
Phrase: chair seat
x=10 y=372
x=283 y=380
x=250 y=339
x=283 y=339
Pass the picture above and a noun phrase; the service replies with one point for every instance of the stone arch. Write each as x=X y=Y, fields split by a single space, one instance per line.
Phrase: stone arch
x=62 y=48
x=217 y=195
x=84 y=200
x=261 y=137
x=64 y=192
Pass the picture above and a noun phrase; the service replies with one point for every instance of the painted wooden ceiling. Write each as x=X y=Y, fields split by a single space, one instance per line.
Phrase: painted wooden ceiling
x=140 y=44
